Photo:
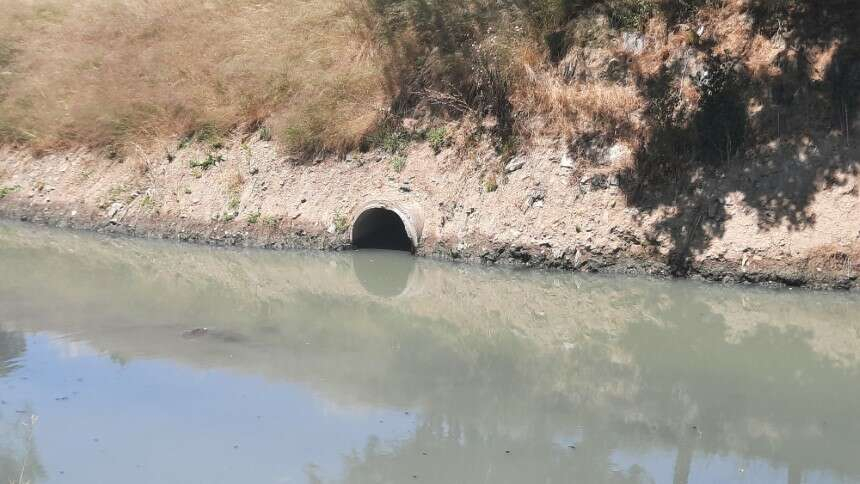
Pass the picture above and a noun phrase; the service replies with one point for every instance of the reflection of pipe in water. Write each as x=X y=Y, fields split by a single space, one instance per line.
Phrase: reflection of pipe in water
x=384 y=273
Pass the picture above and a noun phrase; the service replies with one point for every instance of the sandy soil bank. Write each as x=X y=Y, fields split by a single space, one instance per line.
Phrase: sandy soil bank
x=796 y=223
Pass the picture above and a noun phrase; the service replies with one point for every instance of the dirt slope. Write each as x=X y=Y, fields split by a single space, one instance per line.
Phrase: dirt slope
x=797 y=225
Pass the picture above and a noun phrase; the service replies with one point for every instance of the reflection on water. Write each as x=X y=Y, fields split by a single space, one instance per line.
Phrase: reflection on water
x=383 y=273
x=373 y=368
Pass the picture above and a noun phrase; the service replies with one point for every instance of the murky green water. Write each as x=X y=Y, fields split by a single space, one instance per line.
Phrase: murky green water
x=379 y=368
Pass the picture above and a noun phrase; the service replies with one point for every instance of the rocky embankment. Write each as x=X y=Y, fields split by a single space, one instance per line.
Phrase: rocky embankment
x=796 y=223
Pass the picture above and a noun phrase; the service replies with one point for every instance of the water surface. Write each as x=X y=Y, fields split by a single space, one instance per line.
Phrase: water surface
x=149 y=362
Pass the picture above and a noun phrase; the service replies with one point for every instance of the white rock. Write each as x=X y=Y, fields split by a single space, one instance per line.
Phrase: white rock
x=114 y=208
x=515 y=164
x=617 y=152
x=567 y=161
x=632 y=42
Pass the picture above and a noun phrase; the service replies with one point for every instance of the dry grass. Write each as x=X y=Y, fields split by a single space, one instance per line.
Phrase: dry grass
x=102 y=72
x=549 y=104
x=568 y=109
x=834 y=259
x=322 y=74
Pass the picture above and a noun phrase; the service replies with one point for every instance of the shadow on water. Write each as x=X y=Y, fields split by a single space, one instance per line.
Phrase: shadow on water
x=511 y=376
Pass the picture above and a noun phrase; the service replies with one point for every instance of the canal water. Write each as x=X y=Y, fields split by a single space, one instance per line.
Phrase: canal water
x=130 y=361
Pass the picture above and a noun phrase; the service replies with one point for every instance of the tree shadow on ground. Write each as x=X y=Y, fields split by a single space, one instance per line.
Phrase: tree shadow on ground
x=778 y=157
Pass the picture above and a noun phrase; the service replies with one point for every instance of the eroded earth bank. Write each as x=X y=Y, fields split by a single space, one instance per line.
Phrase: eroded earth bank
x=795 y=223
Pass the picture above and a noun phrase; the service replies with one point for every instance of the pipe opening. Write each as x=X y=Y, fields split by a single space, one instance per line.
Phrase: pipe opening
x=380 y=228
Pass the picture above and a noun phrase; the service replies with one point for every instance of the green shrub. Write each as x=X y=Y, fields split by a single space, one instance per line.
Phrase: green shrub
x=438 y=139
x=631 y=14
x=398 y=163
x=208 y=162
x=207 y=133
x=391 y=140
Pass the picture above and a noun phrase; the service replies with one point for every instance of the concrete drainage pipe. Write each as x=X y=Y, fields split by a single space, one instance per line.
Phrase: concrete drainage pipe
x=382 y=224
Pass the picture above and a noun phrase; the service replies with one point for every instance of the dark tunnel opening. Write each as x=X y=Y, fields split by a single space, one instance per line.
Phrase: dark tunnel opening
x=379 y=228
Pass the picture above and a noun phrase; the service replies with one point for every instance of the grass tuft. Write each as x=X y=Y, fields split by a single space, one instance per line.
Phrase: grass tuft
x=398 y=163
x=341 y=223
x=5 y=191
x=208 y=162
x=438 y=139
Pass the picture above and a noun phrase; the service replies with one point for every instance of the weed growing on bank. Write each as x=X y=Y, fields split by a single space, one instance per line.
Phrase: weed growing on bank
x=398 y=163
x=5 y=191
x=341 y=223
x=208 y=162
x=438 y=139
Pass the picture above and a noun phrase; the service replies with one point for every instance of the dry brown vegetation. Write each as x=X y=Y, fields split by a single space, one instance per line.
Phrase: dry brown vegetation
x=678 y=79
x=100 y=72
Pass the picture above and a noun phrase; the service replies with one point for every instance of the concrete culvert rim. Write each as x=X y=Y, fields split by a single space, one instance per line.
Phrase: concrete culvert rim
x=384 y=225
